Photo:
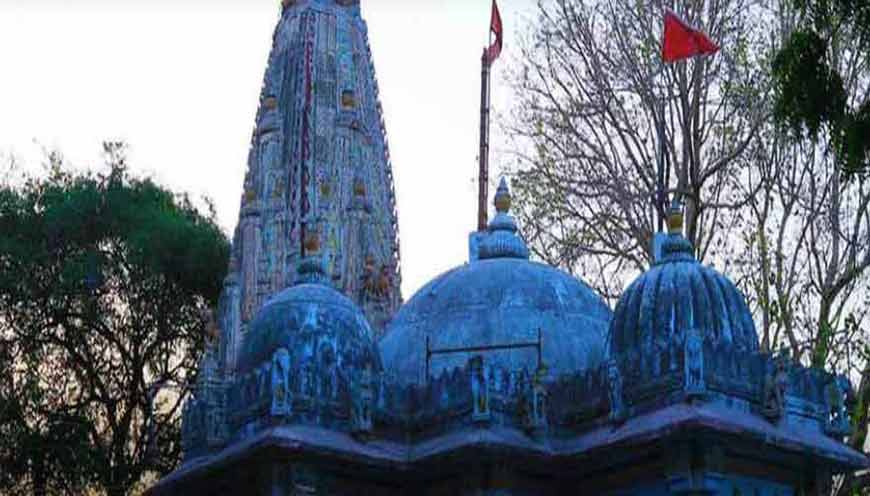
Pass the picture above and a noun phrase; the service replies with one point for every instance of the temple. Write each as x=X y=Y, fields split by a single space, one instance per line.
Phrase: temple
x=502 y=376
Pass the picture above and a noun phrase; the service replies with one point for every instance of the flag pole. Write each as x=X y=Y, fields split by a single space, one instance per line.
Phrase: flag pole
x=660 y=165
x=483 y=158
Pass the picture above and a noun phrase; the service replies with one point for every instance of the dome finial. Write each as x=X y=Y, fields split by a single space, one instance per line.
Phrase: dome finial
x=675 y=219
x=502 y=198
x=502 y=240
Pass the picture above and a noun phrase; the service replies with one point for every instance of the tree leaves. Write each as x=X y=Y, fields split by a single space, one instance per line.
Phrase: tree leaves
x=104 y=279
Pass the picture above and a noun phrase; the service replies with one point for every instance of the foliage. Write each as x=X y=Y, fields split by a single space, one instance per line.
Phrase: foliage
x=591 y=94
x=815 y=73
x=104 y=279
x=765 y=203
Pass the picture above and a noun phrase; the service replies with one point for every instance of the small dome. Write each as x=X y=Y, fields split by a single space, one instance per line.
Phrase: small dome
x=678 y=294
x=308 y=320
x=501 y=299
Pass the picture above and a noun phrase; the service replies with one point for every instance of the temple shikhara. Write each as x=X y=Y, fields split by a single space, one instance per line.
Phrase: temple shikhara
x=503 y=376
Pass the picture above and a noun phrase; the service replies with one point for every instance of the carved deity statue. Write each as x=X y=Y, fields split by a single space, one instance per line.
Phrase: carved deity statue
x=694 y=363
x=363 y=399
x=614 y=392
x=536 y=402
x=479 y=389
x=837 y=395
x=775 y=386
x=281 y=397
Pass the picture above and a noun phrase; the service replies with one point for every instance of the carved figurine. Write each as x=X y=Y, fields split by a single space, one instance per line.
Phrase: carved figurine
x=614 y=392
x=694 y=364
x=363 y=399
x=536 y=404
x=281 y=397
x=479 y=390
x=837 y=393
x=384 y=283
x=775 y=386
x=369 y=281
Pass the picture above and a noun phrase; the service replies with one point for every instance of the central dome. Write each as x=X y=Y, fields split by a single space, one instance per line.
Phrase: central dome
x=502 y=299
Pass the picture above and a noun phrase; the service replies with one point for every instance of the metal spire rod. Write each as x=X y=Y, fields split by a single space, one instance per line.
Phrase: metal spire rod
x=483 y=158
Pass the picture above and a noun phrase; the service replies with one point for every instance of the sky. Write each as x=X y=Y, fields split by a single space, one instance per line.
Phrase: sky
x=179 y=80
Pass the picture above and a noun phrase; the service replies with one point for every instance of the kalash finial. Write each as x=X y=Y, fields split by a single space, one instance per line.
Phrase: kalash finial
x=503 y=198
x=675 y=219
x=675 y=247
x=502 y=240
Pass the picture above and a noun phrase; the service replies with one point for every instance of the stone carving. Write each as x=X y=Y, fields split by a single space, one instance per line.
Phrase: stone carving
x=694 y=364
x=614 y=392
x=281 y=394
x=837 y=397
x=479 y=390
x=362 y=402
x=775 y=386
x=536 y=409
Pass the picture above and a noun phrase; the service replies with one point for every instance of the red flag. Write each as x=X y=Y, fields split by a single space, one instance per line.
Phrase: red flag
x=495 y=27
x=681 y=41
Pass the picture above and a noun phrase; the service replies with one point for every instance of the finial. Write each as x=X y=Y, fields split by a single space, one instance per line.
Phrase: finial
x=502 y=240
x=502 y=199
x=675 y=247
x=675 y=219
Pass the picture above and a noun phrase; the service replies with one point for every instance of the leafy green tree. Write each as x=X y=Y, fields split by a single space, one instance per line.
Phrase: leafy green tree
x=821 y=74
x=104 y=281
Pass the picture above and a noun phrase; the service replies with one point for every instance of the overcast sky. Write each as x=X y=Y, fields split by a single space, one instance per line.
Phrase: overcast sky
x=179 y=81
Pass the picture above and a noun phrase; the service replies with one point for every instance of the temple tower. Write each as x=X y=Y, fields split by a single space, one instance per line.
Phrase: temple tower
x=319 y=160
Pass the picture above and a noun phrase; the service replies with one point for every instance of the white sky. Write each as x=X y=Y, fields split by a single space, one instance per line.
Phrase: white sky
x=179 y=81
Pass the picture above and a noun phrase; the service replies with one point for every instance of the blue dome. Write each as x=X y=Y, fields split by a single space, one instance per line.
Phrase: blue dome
x=501 y=299
x=674 y=296
x=308 y=320
x=495 y=302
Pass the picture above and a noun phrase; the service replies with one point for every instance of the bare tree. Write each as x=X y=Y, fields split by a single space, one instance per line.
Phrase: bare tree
x=590 y=92
x=775 y=212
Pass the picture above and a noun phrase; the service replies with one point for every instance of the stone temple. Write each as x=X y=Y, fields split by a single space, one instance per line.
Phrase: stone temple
x=502 y=376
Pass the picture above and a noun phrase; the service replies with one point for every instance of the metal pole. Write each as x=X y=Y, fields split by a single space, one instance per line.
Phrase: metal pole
x=483 y=159
x=661 y=195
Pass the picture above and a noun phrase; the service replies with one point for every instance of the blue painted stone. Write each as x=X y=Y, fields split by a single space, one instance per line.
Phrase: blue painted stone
x=675 y=295
x=308 y=319
x=498 y=301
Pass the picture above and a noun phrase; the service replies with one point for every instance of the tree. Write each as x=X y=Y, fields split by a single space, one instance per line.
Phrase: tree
x=822 y=84
x=590 y=91
x=104 y=279
x=772 y=210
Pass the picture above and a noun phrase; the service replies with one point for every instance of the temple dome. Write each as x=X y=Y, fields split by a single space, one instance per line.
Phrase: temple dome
x=501 y=299
x=311 y=320
x=678 y=294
